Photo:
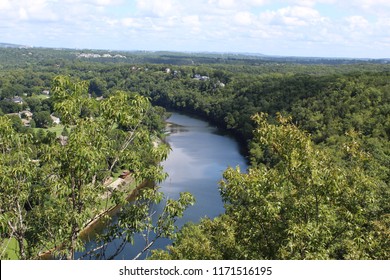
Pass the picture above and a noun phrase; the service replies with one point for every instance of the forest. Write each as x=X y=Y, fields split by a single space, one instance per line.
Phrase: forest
x=315 y=131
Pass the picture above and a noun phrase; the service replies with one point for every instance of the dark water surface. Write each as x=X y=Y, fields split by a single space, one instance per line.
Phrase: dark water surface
x=200 y=153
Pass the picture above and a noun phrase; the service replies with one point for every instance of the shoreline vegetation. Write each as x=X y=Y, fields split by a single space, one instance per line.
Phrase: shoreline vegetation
x=96 y=224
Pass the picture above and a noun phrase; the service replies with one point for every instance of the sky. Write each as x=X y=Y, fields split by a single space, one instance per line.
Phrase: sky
x=318 y=28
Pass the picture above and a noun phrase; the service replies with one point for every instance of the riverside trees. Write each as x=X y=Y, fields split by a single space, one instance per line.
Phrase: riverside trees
x=49 y=190
x=298 y=204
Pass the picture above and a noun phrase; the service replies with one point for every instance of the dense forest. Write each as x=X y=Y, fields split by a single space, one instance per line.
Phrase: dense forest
x=316 y=132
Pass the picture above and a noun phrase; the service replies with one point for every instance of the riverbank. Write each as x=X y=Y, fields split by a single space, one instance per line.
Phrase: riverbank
x=98 y=222
x=95 y=225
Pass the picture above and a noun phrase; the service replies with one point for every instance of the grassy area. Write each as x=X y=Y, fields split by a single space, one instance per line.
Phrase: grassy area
x=10 y=251
x=57 y=129
x=42 y=96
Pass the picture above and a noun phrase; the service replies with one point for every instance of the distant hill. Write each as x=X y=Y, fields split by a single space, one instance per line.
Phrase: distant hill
x=179 y=57
x=8 y=45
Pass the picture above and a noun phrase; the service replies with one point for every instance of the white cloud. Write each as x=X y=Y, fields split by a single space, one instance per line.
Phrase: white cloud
x=367 y=4
x=192 y=22
x=127 y=22
x=23 y=15
x=292 y=16
x=357 y=23
x=310 y=3
x=222 y=4
x=108 y=2
x=37 y=10
x=256 y=2
x=157 y=7
x=376 y=8
x=92 y=2
x=243 y=18
x=208 y=24
x=5 y=4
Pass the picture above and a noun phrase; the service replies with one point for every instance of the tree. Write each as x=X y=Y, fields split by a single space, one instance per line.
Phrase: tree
x=18 y=172
x=34 y=103
x=62 y=185
x=43 y=119
x=97 y=87
x=90 y=155
x=16 y=122
x=33 y=124
x=299 y=204
x=8 y=106
x=65 y=132
x=136 y=218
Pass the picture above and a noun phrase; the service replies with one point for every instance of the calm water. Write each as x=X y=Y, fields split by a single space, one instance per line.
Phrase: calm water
x=200 y=154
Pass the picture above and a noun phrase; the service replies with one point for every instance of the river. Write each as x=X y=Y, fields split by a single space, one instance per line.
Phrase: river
x=200 y=153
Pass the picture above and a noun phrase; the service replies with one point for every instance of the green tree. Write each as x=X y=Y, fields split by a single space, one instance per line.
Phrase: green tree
x=61 y=185
x=8 y=106
x=65 y=131
x=97 y=87
x=43 y=119
x=300 y=204
x=16 y=122
x=90 y=155
x=34 y=103
x=32 y=124
x=18 y=173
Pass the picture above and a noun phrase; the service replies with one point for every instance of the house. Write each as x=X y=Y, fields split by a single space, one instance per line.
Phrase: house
x=26 y=114
x=201 y=78
x=46 y=92
x=26 y=122
x=55 y=120
x=220 y=84
x=63 y=140
x=125 y=174
x=17 y=100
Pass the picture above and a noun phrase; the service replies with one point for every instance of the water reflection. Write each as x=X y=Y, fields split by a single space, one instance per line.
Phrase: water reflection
x=172 y=128
x=199 y=155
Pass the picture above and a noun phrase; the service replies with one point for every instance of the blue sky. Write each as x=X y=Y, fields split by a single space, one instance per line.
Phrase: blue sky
x=327 y=28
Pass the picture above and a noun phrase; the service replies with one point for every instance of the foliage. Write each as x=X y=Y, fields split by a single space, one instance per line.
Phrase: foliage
x=52 y=189
x=16 y=186
x=136 y=218
x=299 y=204
x=43 y=119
